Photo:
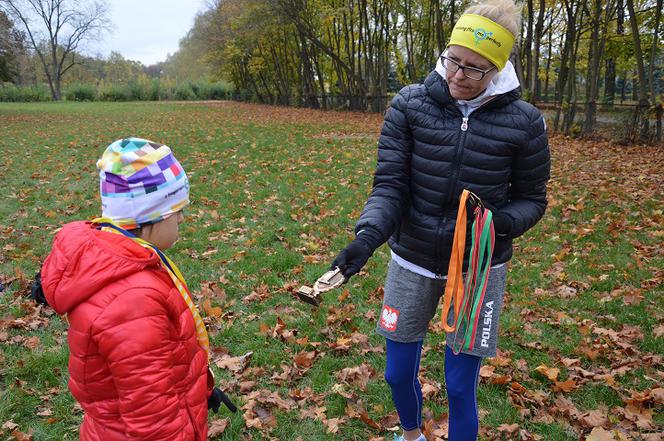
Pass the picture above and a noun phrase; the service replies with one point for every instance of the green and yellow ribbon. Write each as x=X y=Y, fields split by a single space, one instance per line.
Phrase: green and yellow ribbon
x=176 y=276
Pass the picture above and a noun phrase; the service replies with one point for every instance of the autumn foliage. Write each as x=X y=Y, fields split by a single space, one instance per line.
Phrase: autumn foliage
x=276 y=192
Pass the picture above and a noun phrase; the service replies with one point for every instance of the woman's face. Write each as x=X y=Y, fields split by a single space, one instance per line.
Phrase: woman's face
x=163 y=234
x=461 y=87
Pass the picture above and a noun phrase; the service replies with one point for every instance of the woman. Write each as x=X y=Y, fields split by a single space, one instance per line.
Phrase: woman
x=463 y=128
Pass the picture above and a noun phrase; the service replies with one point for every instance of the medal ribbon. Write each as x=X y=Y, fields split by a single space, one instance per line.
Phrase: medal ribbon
x=468 y=297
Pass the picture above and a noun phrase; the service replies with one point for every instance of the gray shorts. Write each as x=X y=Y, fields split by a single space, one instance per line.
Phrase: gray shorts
x=410 y=302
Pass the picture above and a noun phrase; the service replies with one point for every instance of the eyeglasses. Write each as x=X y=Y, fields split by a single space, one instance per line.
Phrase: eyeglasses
x=471 y=73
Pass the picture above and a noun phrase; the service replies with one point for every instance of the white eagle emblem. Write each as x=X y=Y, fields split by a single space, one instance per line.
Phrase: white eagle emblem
x=389 y=318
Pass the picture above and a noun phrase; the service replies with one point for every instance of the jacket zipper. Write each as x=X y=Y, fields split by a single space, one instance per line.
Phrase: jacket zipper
x=437 y=245
x=457 y=157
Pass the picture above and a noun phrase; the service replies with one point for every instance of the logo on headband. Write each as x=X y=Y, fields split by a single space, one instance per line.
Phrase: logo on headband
x=481 y=34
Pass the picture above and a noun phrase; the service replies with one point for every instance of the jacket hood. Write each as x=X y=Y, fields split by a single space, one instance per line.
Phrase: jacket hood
x=84 y=260
x=439 y=90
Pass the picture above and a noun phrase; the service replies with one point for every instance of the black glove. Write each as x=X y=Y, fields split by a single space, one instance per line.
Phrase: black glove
x=502 y=223
x=352 y=258
x=217 y=397
x=36 y=292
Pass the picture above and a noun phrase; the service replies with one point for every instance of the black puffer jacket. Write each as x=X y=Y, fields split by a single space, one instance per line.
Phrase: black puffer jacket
x=426 y=159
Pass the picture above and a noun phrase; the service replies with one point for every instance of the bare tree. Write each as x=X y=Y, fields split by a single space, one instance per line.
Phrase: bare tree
x=56 y=29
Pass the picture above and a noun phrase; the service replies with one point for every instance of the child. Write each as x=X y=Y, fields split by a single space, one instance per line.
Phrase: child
x=138 y=360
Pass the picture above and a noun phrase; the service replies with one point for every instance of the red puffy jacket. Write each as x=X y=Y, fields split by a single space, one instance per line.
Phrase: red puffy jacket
x=135 y=365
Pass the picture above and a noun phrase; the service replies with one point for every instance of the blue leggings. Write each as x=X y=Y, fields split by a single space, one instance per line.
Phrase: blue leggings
x=461 y=376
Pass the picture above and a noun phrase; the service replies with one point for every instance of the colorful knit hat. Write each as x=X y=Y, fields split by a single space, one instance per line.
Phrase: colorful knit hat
x=140 y=182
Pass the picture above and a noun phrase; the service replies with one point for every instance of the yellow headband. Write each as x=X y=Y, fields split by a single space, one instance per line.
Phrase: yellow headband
x=484 y=36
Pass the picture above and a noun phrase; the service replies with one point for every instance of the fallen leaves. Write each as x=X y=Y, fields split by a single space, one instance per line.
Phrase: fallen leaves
x=305 y=359
x=234 y=364
x=594 y=418
x=333 y=424
x=565 y=386
x=548 y=372
x=9 y=425
x=258 y=408
x=211 y=311
x=32 y=342
x=217 y=427
x=601 y=434
x=279 y=331
x=259 y=294
x=357 y=376
x=20 y=436
x=594 y=342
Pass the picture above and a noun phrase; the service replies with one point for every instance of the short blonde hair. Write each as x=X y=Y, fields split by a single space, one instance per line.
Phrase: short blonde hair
x=504 y=12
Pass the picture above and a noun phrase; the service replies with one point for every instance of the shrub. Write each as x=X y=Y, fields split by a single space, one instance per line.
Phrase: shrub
x=115 y=92
x=624 y=130
x=12 y=93
x=9 y=92
x=135 y=91
x=81 y=92
x=140 y=88
x=198 y=89
x=218 y=91
x=185 y=92
x=155 y=90
x=166 y=89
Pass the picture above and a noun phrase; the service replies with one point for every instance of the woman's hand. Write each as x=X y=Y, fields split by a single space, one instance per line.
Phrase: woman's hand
x=501 y=221
x=352 y=258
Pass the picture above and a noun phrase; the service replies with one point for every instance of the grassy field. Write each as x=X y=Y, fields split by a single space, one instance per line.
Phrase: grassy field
x=276 y=192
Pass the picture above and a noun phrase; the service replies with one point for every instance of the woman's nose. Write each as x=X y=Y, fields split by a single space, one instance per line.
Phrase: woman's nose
x=459 y=75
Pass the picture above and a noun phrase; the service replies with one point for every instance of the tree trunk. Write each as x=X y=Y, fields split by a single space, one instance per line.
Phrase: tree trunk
x=643 y=92
x=595 y=49
x=571 y=97
x=565 y=63
x=653 y=53
x=438 y=26
x=528 y=52
x=321 y=81
x=635 y=85
x=548 y=62
x=610 y=81
x=408 y=39
x=518 y=67
x=610 y=71
x=535 y=83
x=659 y=110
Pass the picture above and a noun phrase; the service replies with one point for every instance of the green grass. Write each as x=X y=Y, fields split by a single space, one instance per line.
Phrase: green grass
x=277 y=191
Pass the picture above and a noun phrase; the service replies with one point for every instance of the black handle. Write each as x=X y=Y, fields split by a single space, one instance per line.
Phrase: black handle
x=227 y=401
